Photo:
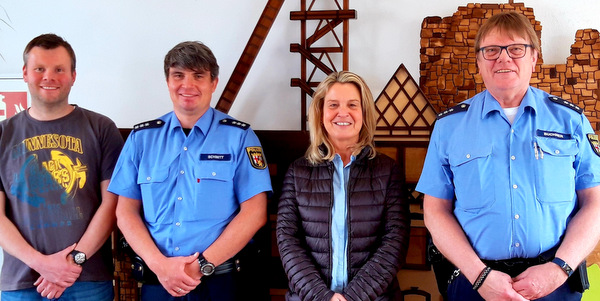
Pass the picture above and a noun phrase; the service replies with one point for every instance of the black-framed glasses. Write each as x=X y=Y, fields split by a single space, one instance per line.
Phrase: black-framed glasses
x=514 y=51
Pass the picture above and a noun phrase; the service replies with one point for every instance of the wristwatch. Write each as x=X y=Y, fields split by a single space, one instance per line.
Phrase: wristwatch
x=79 y=257
x=206 y=268
x=563 y=265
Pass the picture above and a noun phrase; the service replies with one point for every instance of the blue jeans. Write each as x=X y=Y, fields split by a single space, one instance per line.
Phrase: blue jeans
x=79 y=291
x=461 y=289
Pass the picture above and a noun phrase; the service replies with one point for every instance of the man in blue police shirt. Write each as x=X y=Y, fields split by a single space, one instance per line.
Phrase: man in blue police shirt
x=192 y=186
x=511 y=178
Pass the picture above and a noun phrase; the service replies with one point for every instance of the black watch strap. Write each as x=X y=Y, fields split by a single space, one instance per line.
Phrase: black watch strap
x=206 y=268
x=78 y=257
x=563 y=265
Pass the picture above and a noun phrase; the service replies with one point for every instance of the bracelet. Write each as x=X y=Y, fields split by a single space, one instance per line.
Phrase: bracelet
x=481 y=278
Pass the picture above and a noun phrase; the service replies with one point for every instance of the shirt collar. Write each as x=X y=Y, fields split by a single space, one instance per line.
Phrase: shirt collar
x=490 y=104
x=203 y=123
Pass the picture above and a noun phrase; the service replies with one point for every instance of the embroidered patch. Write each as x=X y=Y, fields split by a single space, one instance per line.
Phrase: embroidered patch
x=593 y=139
x=565 y=103
x=148 y=125
x=455 y=109
x=233 y=122
x=257 y=159
x=215 y=157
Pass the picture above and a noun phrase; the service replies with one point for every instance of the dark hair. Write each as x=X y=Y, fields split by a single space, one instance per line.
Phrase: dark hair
x=49 y=41
x=192 y=55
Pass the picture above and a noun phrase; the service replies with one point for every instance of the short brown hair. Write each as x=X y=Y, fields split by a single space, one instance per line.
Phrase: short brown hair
x=510 y=23
x=49 y=41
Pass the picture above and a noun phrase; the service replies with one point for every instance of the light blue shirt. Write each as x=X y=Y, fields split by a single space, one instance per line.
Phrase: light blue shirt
x=515 y=185
x=339 y=224
x=191 y=186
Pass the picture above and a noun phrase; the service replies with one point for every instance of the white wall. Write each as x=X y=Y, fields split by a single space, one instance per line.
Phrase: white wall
x=120 y=46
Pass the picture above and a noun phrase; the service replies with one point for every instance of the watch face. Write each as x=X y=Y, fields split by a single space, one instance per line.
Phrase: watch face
x=207 y=269
x=79 y=258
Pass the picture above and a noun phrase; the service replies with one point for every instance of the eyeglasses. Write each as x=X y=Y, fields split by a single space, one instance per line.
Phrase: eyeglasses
x=514 y=51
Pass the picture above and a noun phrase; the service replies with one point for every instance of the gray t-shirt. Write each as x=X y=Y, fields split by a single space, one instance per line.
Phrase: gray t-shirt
x=50 y=172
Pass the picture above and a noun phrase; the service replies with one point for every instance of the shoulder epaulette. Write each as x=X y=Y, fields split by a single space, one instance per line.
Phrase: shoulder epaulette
x=455 y=109
x=152 y=124
x=233 y=122
x=565 y=103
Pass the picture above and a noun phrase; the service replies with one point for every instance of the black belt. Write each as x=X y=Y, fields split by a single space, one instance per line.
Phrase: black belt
x=143 y=274
x=514 y=266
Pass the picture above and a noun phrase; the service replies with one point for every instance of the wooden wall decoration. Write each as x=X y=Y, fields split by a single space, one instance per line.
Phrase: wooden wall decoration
x=448 y=69
x=405 y=114
x=322 y=50
x=258 y=36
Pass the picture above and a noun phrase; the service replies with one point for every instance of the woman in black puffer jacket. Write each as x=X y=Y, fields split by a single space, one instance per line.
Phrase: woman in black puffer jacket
x=343 y=223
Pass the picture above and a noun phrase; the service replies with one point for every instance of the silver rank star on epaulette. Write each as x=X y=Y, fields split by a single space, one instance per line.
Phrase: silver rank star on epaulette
x=455 y=109
x=565 y=103
x=233 y=122
x=148 y=125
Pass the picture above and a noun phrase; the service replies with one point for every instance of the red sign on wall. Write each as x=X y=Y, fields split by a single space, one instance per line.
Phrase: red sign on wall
x=12 y=103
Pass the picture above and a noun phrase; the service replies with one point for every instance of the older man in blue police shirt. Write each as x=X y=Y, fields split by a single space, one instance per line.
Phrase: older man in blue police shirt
x=511 y=178
x=192 y=186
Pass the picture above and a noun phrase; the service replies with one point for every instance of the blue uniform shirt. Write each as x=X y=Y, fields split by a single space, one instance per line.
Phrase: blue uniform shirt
x=513 y=186
x=192 y=186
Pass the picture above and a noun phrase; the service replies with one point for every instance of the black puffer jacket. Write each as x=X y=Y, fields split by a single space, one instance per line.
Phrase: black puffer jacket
x=378 y=225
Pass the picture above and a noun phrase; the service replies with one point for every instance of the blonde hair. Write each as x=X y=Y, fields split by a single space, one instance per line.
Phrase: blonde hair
x=510 y=23
x=318 y=134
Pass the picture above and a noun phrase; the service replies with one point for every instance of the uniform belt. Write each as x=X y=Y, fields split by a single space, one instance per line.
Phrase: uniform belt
x=514 y=266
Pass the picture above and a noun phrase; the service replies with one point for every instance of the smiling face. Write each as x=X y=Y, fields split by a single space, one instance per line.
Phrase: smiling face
x=342 y=114
x=190 y=91
x=49 y=77
x=506 y=77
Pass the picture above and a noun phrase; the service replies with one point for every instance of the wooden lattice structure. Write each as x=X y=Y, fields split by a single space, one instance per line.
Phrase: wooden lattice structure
x=449 y=69
x=404 y=111
x=324 y=48
x=249 y=54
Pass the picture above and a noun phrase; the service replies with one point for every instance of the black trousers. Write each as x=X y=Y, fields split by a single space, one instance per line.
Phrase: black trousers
x=224 y=287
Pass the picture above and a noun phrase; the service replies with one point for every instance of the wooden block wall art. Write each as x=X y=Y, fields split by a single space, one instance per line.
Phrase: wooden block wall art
x=448 y=69
x=405 y=113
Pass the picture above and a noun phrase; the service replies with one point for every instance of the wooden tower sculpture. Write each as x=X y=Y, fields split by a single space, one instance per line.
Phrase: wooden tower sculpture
x=318 y=58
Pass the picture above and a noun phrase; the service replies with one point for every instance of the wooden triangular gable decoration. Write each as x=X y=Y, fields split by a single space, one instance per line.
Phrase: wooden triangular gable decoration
x=405 y=113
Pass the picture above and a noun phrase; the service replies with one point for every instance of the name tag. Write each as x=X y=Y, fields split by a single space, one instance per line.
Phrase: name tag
x=554 y=135
x=215 y=157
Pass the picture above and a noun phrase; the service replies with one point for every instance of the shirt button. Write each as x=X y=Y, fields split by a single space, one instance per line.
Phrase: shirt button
x=517 y=216
x=468 y=156
x=149 y=178
x=176 y=248
x=185 y=148
x=214 y=173
x=177 y=224
x=182 y=172
x=517 y=245
x=179 y=198
x=513 y=158
x=557 y=152
x=515 y=186
x=512 y=130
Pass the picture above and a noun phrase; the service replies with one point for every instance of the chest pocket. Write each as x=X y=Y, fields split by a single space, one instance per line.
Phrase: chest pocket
x=214 y=194
x=152 y=183
x=555 y=174
x=473 y=177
